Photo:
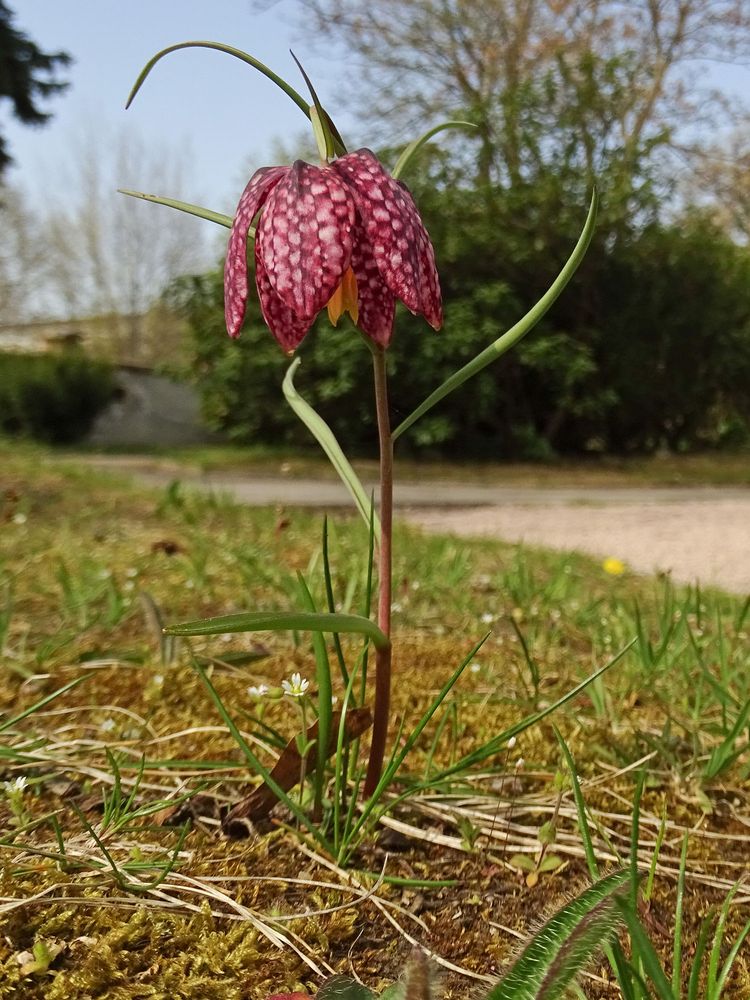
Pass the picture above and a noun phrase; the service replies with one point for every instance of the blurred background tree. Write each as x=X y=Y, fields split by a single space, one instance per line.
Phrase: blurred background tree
x=650 y=345
x=28 y=76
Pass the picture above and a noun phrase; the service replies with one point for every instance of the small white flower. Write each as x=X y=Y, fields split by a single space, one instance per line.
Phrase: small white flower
x=512 y=742
x=520 y=763
x=158 y=679
x=17 y=786
x=296 y=687
x=257 y=690
x=488 y=618
x=19 y=518
x=108 y=725
x=475 y=668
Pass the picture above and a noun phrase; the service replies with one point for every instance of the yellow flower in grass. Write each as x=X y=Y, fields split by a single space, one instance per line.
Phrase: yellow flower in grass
x=613 y=566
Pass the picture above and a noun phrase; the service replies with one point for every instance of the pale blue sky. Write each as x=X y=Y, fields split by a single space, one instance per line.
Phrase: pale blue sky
x=221 y=110
x=227 y=112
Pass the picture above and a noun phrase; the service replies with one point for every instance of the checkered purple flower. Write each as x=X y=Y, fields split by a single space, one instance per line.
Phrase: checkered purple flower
x=345 y=235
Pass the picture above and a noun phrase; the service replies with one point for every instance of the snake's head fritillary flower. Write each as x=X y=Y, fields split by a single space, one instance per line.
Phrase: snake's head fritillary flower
x=345 y=235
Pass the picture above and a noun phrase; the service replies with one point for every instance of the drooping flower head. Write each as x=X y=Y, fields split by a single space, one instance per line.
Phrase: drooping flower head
x=345 y=235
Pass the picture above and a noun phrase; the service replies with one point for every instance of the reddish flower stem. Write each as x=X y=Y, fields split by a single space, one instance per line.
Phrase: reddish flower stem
x=381 y=710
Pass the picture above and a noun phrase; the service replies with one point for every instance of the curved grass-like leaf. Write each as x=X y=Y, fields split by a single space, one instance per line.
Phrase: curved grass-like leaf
x=567 y=941
x=186 y=206
x=325 y=699
x=512 y=336
x=332 y=141
x=498 y=743
x=282 y=621
x=327 y=441
x=413 y=148
x=230 y=50
x=42 y=703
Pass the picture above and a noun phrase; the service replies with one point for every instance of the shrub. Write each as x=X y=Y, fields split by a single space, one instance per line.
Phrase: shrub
x=52 y=397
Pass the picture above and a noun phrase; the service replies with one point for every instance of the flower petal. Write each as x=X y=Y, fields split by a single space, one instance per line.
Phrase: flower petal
x=235 y=266
x=306 y=237
x=400 y=244
x=283 y=322
x=377 y=303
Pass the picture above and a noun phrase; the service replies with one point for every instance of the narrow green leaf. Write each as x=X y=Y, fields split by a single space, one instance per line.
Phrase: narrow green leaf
x=642 y=948
x=253 y=761
x=635 y=835
x=700 y=950
x=714 y=956
x=281 y=621
x=185 y=206
x=509 y=339
x=9 y=723
x=413 y=148
x=567 y=941
x=230 y=50
x=727 y=967
x=677 y=941
x=400 y=751
x=496 y=744
x=325 y=131
x=325 y=698
x=583 y=826
x=325 y=438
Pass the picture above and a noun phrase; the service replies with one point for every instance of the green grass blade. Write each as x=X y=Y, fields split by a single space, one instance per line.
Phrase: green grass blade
x=496 y=744
x=642 y=947
x=512 y=336
x=727 y=967
x=635 y=839
x=281 y=621
x=230 y=50
x=398 y=758
x=700 y=950
x=677 y=940
x=341 y=767
x=413 y=148
x=253 y=761
x=9 y=723
x=661 y=833
x=325 y=697
x=327 y=441
x=583 y=826
x=566 y=942
x=714 y=956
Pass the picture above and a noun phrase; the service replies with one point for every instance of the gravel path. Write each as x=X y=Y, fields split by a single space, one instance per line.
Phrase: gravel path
x=693 y=539
x=694 y=533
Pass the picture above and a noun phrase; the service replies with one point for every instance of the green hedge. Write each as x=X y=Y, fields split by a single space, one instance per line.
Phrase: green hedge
x=52 y=397
x=648 y=347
